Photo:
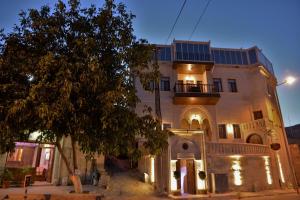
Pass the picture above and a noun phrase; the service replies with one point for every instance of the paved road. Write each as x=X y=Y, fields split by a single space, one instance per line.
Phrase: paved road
x=278 y=197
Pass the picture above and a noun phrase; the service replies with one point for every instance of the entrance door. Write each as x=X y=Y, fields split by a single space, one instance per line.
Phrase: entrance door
x=221 y=183
x=191 y=189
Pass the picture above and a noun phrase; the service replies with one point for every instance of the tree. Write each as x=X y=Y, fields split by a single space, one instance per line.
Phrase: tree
x=70 y=72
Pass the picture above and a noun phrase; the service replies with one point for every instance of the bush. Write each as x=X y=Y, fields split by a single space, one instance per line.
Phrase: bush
x=177 y=175
x=202 y=175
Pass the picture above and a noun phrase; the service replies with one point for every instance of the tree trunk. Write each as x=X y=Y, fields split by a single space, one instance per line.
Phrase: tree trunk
x=156 y=90
x=159 y=182
x=74 y=178
x=75 y=165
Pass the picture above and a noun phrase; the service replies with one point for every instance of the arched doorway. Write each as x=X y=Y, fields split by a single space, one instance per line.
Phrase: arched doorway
x=254 y=139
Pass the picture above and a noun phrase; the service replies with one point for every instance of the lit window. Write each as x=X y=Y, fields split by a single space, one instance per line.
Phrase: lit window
x=166 y=126
x=16 y=156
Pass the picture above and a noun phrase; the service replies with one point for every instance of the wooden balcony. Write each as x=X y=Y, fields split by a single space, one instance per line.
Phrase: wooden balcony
x=227 y=149
x=195 y=94
x=257 y=125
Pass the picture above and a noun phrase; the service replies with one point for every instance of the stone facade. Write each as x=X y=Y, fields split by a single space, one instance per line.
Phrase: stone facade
x=226 y=112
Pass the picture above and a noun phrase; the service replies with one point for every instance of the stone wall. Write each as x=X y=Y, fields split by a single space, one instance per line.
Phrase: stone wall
x=253 y=173
x=295 y=154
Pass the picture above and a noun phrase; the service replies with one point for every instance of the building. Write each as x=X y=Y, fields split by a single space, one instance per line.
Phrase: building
x=221 y=105
x=293 y=135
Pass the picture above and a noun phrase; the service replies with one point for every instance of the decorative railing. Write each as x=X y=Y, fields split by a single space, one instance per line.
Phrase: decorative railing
x=215 y=148
x=260 y=124
x=195 y=88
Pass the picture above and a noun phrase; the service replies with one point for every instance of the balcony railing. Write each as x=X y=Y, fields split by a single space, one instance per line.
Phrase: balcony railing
x=195 y=88
x=195 y=94
x=256 y=125
x=214 y=148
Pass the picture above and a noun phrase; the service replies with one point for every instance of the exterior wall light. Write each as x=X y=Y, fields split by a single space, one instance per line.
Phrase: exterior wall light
x=199 y=168
x=268 y=170
x=173 y=180
x=280 y=168
x=152 y=170
x=236 y=168
x=229 y=128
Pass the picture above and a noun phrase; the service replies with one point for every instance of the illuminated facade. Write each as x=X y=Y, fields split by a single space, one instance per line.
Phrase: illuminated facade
x=221 y=105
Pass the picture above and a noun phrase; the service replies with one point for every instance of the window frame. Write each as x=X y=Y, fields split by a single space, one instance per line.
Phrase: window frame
x=163 y=86
x=229 y=83
x=225 y=131
x=218 y=79
x=237 y=135
x=261 y=116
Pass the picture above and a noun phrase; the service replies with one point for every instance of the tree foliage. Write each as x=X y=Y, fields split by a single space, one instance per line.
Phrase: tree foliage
x=70 y=71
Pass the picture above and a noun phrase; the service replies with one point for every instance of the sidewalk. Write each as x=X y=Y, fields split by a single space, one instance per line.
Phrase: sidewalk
x=63 y=192
x=236 y=195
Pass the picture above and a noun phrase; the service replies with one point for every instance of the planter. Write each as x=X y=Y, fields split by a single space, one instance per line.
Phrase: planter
x=275 y=146
x=177 y=175
x=5 y=184
x=202 y=175
x=202 y=191
x=176 y=193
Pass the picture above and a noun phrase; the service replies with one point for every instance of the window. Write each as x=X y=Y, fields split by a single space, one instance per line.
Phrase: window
x=258 y=114
x=218 y=85
x=244 y=57
x=236 y=131
x=16 y=156
x=165 y=84
x=166 y=126
x=222 y=131
x=232 y=85
x=164 y=53
x=254 y=139
x=252 y=56
x=150 y=86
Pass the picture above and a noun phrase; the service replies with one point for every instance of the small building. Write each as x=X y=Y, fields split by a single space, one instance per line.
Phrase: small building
x=221 y=105
x=293 y=135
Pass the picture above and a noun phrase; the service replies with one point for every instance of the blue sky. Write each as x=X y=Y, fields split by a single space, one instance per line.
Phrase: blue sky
x=272 y=25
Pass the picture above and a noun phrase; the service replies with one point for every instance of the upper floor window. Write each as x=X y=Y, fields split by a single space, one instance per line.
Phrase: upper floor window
x=258 y=114
x=150 y=86
x=166 y=126
x=222 y=131
x=218 y=85
x=232 y=85
x=236 y=131
x=165 y=84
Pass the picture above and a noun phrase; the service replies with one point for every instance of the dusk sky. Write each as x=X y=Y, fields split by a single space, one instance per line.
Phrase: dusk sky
x=272 y=25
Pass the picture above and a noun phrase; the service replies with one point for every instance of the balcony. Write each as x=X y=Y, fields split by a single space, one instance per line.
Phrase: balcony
x=192 y=67
x=257 y=125
x=227 y=149
x=195 y=94
x=192 y=57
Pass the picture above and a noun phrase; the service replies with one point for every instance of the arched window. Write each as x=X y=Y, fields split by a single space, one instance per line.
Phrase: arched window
x=254 y=139
x=195 y=124
x=184 y=124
